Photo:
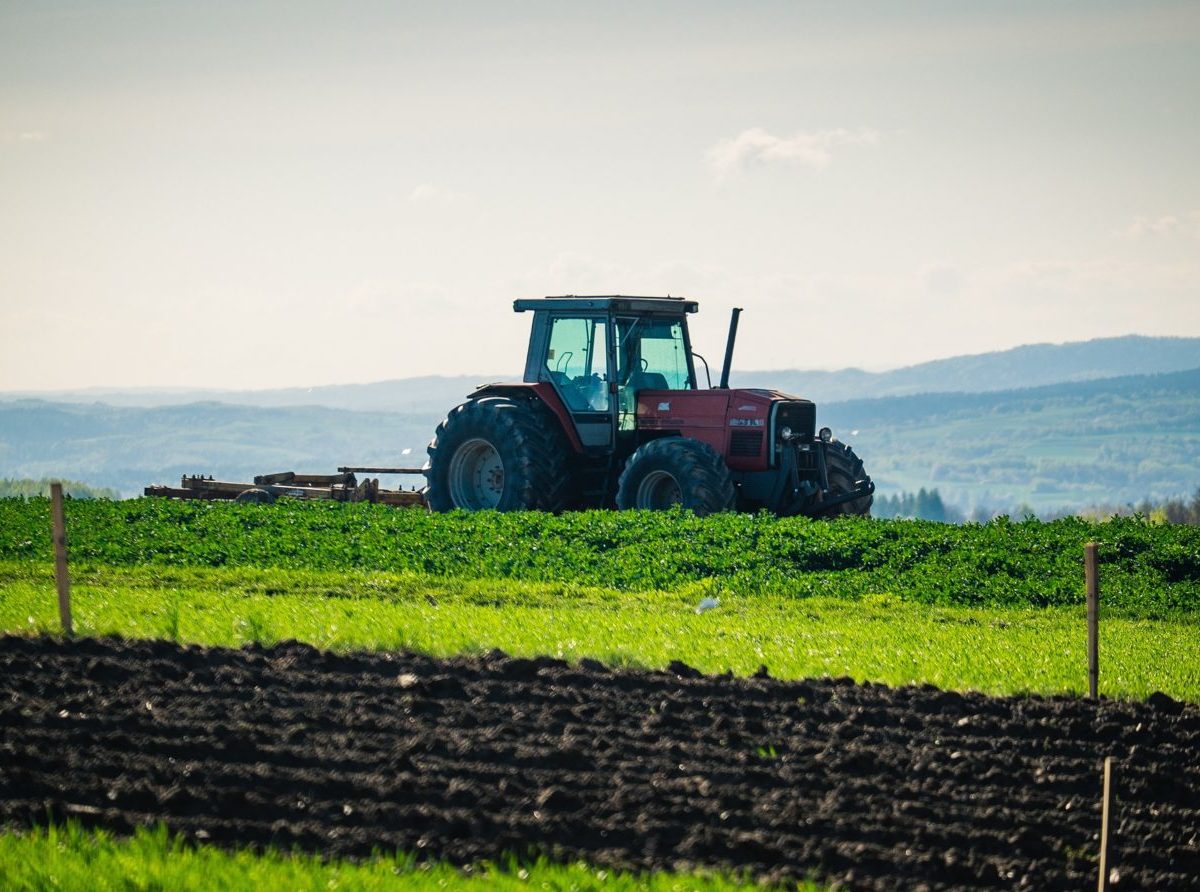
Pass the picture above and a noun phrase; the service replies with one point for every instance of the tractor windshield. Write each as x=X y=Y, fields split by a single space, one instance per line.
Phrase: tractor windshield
x=652 y=354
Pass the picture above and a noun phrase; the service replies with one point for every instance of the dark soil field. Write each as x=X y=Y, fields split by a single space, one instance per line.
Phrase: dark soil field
x=469 y=759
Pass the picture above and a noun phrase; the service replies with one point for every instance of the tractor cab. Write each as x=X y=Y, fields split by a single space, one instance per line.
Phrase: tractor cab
x=598 y=353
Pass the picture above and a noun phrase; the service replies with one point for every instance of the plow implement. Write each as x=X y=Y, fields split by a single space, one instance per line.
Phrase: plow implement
x=343 y=486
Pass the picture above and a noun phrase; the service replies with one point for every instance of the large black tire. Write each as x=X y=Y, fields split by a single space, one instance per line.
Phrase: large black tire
x=676 y=471
x=497 y=453
x=845 y=470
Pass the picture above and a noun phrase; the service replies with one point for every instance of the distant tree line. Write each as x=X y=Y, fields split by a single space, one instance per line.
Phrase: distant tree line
x=925 y=504
x=1177 y=510
x=27 y=489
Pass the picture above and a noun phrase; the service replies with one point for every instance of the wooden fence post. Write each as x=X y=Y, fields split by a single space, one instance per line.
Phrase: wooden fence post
x=61 y=576
x=1105 y=811
x=1093 y=618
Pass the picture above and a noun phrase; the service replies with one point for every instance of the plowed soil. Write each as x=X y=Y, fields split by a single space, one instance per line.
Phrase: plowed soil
x=469 y=759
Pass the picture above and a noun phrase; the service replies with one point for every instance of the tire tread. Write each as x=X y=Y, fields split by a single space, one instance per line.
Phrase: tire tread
x=529 y=440
x=841 y=461
x=699 y=469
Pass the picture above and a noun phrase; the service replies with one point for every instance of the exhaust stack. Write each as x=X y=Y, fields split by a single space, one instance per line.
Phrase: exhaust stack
x=733 y=323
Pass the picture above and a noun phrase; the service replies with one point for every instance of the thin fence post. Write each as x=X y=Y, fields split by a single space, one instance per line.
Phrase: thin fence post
x=1093 y=618
x=1105 y=811
x=61 y=576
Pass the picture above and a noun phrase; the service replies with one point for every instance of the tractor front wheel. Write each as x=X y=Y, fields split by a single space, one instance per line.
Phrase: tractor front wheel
x=676 y=471
x=497 y=453
x=845 y=470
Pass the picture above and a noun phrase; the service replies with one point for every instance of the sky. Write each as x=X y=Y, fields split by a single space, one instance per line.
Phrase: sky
x=249 y=195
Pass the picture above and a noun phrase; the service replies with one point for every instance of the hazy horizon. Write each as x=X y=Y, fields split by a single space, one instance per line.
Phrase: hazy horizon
x=308 y=194
x=495 y=375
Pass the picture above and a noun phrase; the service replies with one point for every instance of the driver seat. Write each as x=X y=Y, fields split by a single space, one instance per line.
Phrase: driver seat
x=638 y=381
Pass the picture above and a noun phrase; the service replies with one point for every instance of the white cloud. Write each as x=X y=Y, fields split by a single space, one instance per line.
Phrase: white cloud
x=432 y=194
x=574 y=272
x=1149 y=226
x=577 y=272
x=23 y=137
x=1165 y=225
x=756 y=147
x=945 y=281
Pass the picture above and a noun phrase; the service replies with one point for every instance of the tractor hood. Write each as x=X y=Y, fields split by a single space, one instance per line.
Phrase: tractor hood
x=770 y=396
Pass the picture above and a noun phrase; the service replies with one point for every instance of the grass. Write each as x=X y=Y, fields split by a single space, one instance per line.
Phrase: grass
x=1146 y=569
x=878 y=637
x=72 y=858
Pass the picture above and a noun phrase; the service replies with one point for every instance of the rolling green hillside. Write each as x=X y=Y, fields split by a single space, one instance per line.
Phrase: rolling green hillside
x=1031 y=365
x=1149 y=570
x=1064 y=446
x=129 y=448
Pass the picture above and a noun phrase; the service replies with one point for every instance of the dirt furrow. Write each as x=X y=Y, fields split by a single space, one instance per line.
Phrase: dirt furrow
x=469 y=759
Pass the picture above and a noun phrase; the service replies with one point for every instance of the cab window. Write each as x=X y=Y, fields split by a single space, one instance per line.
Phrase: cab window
x=577 y=362
x=651 y=354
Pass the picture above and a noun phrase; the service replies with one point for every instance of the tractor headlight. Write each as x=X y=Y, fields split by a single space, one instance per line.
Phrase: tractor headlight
x=785 y=433
x=825 y=434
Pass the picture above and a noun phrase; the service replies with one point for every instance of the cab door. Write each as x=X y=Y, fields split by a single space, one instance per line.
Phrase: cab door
x=652 y=353
x=577 y=362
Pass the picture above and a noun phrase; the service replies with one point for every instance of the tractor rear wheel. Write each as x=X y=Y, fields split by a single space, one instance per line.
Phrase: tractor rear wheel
x=845 y=469
x=497 y=453
x=676 y=471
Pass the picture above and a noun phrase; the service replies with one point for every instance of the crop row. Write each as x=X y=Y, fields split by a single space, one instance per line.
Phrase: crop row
x=72 y=856
x=1146 y=569
x=1000 y=650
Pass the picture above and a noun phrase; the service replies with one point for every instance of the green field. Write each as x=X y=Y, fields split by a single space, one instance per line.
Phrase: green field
x=879 y=638
x=73 y=858
x=996 y=608
x=1146 y=570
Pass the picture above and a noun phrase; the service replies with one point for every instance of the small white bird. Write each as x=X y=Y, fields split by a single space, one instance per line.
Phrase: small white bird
x=708 y=604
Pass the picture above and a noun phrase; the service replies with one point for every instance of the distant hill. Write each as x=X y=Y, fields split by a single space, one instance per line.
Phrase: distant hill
x=1028 y=366
x=432 y=393
x=1032 y=365
x=128 y=448
x=1111 y=441
x=1069 y=445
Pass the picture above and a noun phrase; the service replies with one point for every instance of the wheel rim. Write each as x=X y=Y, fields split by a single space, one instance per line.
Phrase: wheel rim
x=659 y=490
x=476 y=476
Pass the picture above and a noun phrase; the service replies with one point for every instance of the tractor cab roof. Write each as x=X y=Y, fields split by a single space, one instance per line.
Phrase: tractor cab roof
x=609 y=303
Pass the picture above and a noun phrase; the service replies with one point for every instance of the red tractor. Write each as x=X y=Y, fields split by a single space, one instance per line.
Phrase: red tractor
x=610 y=414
